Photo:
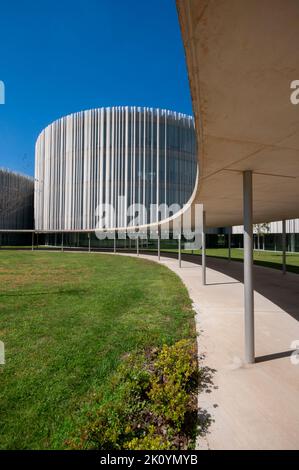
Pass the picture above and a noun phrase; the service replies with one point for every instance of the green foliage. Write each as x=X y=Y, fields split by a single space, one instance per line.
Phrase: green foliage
x=175 y=372
x=151 y=441
x=151 y=398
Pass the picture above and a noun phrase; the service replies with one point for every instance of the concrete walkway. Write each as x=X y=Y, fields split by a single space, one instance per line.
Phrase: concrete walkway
x=256 y=406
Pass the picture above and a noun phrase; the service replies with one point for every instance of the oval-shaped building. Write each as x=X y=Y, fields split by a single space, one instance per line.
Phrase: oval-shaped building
x=119 y=156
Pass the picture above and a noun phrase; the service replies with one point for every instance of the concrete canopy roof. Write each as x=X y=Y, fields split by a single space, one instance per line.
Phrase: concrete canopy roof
x=241 y=57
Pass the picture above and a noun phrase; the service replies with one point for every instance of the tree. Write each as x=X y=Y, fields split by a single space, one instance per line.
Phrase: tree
x=261 y=230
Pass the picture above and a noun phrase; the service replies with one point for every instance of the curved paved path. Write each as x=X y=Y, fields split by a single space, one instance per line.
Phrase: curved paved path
x=254 y=406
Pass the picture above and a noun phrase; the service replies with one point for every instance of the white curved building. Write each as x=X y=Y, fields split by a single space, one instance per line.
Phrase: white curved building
x=120 y=156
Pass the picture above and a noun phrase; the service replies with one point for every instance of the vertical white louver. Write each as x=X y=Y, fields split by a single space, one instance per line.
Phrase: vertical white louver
x=95 y=156
x=16 y=201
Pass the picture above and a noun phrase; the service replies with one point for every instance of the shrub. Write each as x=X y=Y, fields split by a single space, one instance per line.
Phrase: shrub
x=152 y=405
x=176 y=369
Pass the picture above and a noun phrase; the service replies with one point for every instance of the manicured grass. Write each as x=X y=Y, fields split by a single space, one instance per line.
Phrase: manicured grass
x=270 y=259
x=67 y=320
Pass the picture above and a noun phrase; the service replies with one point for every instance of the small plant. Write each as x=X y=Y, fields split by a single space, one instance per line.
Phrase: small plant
x=152 y=405
x=176 y=375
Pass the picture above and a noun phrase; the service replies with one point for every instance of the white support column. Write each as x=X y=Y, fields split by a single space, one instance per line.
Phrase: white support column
x=180 y=249
x=159 y=243
x=203 y=249
x=114 y=243
x=248 y=267
x=284 y=247
x=62 y=241
x=137 y=245
x=88 y=242
x=32 y=241
x=229 y=245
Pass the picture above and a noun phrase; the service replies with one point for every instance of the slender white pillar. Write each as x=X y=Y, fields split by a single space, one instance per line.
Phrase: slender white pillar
x=203 y=249
x=62 y=241
x=88 y=242
x=137 y=245
x=159 y=243
x=32 y=241
x=180 y=249
x=114 y=243
x=248 y=267
x=284 y=248
x=229 y=246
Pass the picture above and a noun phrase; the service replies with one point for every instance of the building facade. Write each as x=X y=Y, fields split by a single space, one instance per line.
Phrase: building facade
x=268 y=236
x=121 y=156
x=16 y=201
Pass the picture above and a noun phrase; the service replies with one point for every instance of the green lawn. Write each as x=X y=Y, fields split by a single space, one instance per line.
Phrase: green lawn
x=269 y=259
x=67 y=320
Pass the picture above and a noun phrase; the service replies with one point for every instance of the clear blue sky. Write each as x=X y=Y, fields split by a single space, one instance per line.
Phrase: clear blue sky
x=62 y=56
